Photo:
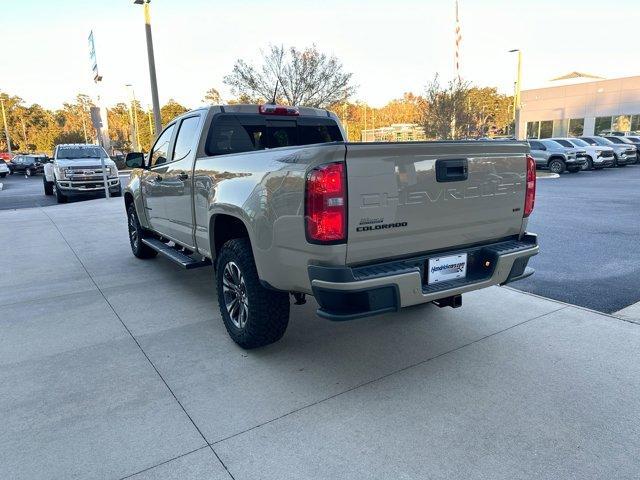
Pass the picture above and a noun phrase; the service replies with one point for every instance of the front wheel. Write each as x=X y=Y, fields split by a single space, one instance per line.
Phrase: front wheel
x=556 y=166
x=29 y=172
x=136 y=233
x=60 y=197
x=48 y=186
x=253 y=315
x=588 y=165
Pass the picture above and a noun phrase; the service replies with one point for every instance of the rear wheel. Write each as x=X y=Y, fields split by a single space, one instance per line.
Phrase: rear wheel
x=136 y=232
x=253 y=315
x=556 y=166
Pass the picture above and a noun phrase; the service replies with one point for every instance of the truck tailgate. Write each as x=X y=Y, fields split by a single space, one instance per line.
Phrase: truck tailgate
x=406 y=198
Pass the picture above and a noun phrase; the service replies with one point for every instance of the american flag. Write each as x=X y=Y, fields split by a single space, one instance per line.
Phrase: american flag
x=458 y=39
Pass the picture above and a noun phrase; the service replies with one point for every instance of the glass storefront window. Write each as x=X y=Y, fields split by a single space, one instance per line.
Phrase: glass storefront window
x=621 y=123
x=546 y=129
x=532 y=129
x=576 y=127
x=635 y=123
x=603 y=125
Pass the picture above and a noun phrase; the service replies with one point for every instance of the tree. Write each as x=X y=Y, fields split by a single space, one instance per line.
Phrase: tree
x=445 y=113
x=171 y=110
x=304 y=77
x=212 y=97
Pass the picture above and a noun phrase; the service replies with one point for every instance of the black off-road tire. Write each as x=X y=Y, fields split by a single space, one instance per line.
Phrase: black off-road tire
x=268 y=310
x=48 y=186
x=589 y=164
x=2 y=175
x=118 y=193
x=557 y=166
x=139 y=249
x=60 y=197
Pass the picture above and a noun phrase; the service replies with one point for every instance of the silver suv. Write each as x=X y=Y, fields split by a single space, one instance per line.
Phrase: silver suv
x=625 y=154
x=556 y=157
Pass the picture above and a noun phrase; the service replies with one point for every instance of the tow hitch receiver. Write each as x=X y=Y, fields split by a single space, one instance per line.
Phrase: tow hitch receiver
x=454 y=301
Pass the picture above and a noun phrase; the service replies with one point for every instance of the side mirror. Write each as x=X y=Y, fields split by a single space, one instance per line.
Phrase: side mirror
x=134 y=160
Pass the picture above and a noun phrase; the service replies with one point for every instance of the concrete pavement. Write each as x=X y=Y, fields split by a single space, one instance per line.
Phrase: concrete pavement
x=112 y=367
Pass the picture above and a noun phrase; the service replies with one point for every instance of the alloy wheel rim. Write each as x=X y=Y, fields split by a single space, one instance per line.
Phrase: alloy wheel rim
x=235 y=295
x=555 y=167
x=133 y=231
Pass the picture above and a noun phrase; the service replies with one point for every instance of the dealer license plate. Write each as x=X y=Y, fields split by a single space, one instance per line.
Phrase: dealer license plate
x=444 y=269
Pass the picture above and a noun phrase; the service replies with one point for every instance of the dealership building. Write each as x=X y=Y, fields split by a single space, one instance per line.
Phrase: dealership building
x=576 y=105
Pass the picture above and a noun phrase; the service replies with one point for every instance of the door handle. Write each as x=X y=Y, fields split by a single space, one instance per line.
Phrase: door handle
x=452 y=170
x=183 y=176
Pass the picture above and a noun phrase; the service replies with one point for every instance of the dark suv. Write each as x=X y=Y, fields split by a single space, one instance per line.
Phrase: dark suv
x=27 y=164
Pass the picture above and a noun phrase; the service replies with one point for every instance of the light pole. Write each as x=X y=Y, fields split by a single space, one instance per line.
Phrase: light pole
x=152 y=65
x=6 y=128
x=134 y=114
x=517 y=105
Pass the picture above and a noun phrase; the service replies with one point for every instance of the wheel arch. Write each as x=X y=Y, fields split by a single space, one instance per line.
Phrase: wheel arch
x=224 y=227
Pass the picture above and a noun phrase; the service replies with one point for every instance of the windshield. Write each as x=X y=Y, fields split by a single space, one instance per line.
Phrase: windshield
x=75 y=153
x=579 y=143
x=602 y=141
x=615 y=140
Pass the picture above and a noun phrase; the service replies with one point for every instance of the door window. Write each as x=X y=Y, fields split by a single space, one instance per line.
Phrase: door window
x=184 y=139
x=160 y=151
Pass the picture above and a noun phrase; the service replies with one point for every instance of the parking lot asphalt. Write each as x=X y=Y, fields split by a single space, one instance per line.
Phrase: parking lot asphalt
x=19 y=191
x=113 y=367
x=589 y=230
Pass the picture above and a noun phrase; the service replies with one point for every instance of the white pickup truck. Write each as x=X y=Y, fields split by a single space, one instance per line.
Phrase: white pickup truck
x=282 y=206
x=77 y=170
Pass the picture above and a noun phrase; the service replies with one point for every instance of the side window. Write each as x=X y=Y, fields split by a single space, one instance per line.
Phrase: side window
x=160 y=150
x=536 y=146
x=227 y=135
x=185 y=138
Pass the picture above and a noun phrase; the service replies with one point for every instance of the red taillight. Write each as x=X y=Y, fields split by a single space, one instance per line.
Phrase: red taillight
x=326 y=204
x=530 y=192
x=278 y=110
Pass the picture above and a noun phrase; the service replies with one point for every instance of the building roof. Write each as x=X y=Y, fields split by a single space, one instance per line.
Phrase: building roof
x=576 y=75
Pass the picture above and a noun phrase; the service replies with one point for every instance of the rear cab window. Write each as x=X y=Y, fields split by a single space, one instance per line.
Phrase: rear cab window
x=237 y=133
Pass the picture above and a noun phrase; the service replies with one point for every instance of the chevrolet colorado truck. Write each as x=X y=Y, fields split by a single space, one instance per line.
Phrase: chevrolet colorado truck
x=77 y=170
x=282 y=206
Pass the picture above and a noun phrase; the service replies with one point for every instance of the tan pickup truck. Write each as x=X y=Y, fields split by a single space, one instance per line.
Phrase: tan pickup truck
x=282 y=206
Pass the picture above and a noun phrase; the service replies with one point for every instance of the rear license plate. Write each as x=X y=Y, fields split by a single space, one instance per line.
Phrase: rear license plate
x=443 y=269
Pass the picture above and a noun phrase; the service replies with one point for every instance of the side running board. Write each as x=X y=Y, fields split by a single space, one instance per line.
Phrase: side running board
x=185 y=261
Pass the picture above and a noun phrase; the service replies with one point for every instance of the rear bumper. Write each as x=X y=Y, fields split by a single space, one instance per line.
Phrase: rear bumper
x=345 y=293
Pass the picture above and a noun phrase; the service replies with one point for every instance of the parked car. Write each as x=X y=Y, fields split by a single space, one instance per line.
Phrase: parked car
x=281 y=205
x=635 y=139
x=623 y=140
x=624 y=153
x=27 y=164
x=557 y=157
x=76 y=170
x=4 y=169
x=597 y=157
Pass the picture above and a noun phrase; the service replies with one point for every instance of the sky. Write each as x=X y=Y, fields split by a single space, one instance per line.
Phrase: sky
x=391 y=46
